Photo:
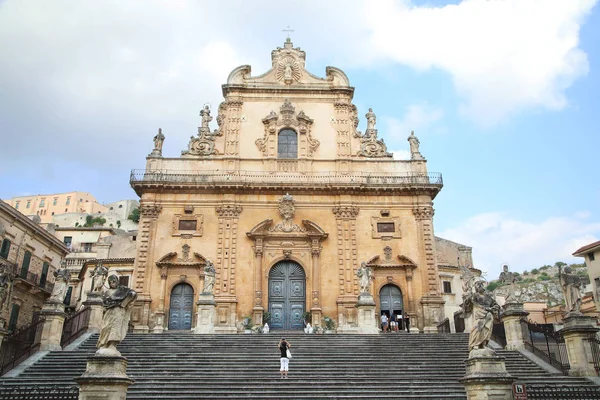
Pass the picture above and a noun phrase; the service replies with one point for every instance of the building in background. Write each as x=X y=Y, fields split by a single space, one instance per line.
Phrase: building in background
x=48 y=205
x=29 y=256
x=591 y=255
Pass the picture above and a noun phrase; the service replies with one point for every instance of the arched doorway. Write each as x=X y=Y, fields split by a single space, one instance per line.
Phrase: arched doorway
x=182 y=303
x=390 y=300
x=287 y=295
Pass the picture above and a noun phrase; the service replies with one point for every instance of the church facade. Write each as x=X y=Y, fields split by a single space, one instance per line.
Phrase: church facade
x=287 y=198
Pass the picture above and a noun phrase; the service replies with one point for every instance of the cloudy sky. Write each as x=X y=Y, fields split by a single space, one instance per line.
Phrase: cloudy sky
x=503 y=96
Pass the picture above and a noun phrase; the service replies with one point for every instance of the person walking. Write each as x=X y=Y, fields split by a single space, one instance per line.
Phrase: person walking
x=384 y=322
x=284 y=345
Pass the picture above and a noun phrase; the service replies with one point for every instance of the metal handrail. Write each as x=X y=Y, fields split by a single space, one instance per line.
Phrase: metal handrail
x=20 y=345
x=551 y=341
x=281 y=177
x=75 y=325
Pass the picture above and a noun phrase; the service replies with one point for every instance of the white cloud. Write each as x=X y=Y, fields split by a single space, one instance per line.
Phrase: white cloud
x=504 y=56
x=401 y=154
x=419 y=118
x=497 y=239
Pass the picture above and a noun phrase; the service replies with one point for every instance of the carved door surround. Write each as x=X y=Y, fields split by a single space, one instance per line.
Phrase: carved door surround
x=384 y=266
x=276 y=242
x=176 y=268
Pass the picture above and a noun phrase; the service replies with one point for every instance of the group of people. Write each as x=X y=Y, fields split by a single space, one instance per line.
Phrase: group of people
x=394 y=322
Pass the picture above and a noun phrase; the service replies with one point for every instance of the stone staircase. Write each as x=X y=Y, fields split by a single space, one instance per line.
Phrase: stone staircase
x=186 y=366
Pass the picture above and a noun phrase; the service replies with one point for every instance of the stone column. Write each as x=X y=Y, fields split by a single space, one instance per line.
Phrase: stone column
x=577 y=328
x=367 y=323
x=94 y=302
x=316 y=309
x=53 y=313
x=432 y=301
x=104 y=378
x=159 y=327
x=205 y=321
x=486 y=377
x=511 y=318
x=257 y=311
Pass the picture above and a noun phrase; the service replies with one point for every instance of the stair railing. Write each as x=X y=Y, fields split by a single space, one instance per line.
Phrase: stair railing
x=562 y=392
x=39 y=392
x=75 y=325
x=20 y=345
x=594 y=344
x=444 y=326
x=542 y=341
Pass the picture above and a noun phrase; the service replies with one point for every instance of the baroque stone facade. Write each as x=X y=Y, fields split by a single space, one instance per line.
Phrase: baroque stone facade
x=286 y=197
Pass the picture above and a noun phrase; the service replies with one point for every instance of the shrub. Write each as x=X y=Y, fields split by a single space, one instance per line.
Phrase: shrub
x=535 y=271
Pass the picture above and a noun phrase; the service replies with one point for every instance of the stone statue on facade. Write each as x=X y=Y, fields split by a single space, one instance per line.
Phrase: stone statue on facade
x=413 y=141
x=371 y=119
x=364 y=274
x=117 y=302
x=209 y=277
x=5 y=285
x=98 y=275
x=206 y=118
x=158 y=143
x=484 y=308
x=571 y=286
x=61 y=283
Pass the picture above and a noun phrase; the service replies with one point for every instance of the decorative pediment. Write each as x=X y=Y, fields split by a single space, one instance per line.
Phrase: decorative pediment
x=265 y=229
x=384 y=262
x=288 y=70
x=183 y=259
x=287 y=119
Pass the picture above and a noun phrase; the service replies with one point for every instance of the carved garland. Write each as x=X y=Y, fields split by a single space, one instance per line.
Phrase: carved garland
x=287 y=118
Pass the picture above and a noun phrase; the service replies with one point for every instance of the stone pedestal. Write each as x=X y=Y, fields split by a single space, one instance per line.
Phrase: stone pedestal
x=206 y=314
x=94 y=302
x=511 y=318
x=159 y=326
x=577 y=328
x=53 y=313
x=486 y=377
x=104 y=378
x=367 y=324
x=433 y=310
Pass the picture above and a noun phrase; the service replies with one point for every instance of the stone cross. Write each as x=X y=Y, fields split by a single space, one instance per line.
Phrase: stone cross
x=288 y=30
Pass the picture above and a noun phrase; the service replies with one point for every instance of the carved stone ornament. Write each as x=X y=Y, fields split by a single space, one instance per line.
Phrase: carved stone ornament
x=288 y=70
x=185 y=253
x=232 y=211
x=7 y=275
x=370 y=146
x=345 y=212
x=204 y=144
x=287 y=210
x=287 y=253
x=387 y=252
x=287 y=119
x=150 y=210
x=422 y=213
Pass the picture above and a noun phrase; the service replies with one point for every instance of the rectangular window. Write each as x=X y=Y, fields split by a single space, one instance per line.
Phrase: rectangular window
x=447 y=286
x=87 y=247
x=5 y=249
x=54 y=201
x=68 y=201
x=44 y=275
x=591 y=256
x=14 y=317
x=28 y=204
x=17 y=205
x=187 y=225
x=124 y=280
x=25 y=265
x=42 y=202
x=68 y=296
x=386 y=227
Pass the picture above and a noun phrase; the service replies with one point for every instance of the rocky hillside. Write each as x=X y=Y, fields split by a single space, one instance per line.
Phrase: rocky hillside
x=541 y=284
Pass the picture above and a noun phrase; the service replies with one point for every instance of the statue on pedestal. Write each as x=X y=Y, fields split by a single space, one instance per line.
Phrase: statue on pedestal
x=484 y=308
x=209 y=277
x=5 y=281
x=206 y=118
x=98 y=275
x=510 y=278
x=158 y=142
x=413 y=141
x=571 y=286
x=371 y=119
x=117 y=301
x=61 y=283
x=364 y=274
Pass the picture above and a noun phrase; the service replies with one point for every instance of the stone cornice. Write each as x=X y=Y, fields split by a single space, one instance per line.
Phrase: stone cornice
x=345 y=212
x=228 y=210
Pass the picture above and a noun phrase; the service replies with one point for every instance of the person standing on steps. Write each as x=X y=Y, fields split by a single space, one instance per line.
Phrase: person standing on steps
x=384 y=322
x=284 y=345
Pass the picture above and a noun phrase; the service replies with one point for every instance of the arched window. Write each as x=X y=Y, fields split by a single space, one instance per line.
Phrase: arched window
x=287 y=144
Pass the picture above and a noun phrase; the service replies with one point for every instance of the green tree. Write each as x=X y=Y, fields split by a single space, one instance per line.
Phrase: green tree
x=559 y=264
x=91 y=221
x=135 y=215
x=535 y=271
x=493 y=285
